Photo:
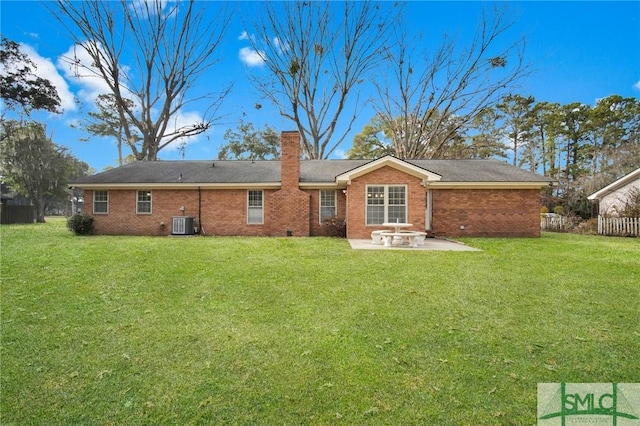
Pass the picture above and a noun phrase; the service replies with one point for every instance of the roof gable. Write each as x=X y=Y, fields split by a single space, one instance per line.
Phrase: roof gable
x=388 y=161
x=627 y=179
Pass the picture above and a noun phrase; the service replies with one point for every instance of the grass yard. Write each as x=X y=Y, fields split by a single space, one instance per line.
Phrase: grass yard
x=137 y=330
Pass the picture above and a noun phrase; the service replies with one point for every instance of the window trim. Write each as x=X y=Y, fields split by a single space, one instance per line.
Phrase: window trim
x=386 y=202
x=250 y=207
x=150 y=193
x=105 y=202
x=320 y=206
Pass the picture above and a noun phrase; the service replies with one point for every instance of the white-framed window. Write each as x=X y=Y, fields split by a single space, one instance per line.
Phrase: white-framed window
x=386 y=203
x=143 y=202
x=327 y=204
x=255 y=207
x=100 y=202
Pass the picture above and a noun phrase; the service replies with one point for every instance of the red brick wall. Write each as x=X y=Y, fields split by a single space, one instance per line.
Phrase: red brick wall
x=289 y=212
x=341 y=203
x=486 y=212
x=123 y=220
x=224 y=212
x=482 y=212
x=356 y=199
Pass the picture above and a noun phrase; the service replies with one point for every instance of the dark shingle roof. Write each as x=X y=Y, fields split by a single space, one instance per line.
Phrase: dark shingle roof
x=311 y=171
x=189 y=172
x=478 y=171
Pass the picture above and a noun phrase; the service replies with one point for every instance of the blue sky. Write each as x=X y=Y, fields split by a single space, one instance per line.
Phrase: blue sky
x=581 y=51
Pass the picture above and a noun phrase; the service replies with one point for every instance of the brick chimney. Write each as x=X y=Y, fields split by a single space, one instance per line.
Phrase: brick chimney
x=289 y=207
x=290 y=156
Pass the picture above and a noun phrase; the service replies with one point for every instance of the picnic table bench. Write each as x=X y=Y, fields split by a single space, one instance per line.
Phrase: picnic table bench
x=413 y=238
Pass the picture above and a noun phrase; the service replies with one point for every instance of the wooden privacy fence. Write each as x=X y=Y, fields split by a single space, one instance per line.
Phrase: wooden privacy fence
x=17 y=214
x=623 y=226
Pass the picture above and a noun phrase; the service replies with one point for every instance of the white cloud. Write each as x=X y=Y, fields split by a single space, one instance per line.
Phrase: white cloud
x=146 y=8
x=243 y=36
x=637 y=85
x=46 y=69
x=77 y=68
x=281 y=46
x=340 y=154
x=183 y=120
x=251 y=58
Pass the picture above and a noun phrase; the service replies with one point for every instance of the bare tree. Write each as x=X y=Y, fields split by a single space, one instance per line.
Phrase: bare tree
x=317 y=53
x=152 y=52
x=430 y=96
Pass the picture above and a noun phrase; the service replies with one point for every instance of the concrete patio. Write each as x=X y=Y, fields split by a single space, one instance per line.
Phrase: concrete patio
x=430 y=244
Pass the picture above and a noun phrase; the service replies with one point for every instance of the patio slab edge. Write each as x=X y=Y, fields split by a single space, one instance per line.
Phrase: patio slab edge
x=430 y=244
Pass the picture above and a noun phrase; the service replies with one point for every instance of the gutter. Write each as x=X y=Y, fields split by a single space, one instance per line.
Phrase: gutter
x=149 y=185
x=489 y=185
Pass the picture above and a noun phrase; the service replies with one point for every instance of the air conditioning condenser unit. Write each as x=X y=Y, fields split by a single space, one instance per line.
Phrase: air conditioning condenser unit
x=183 y=225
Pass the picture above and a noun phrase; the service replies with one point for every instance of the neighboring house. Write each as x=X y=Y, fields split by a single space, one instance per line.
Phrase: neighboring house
x=293 y=197
x=614 y=197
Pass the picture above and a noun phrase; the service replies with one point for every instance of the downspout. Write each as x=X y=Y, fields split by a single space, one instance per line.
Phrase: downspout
x=346 y=211
x=429 y=211
x=200 y=231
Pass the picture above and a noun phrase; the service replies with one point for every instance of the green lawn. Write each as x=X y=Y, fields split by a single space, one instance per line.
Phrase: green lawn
x=137 y=330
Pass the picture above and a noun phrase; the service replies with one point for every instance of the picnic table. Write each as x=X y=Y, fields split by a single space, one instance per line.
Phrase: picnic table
x=397 y=226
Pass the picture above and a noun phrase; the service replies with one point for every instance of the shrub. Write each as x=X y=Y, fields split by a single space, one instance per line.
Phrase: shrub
x=631 y=206
x=81 y=224
x=589 y=227
x=335 y=227
x=572 y=222
x=558 y=210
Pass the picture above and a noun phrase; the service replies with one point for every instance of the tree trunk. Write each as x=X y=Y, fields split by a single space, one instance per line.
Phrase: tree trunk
x=39 y=205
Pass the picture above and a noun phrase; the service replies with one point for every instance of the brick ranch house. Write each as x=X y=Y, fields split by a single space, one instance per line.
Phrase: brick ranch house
x=293 y=197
